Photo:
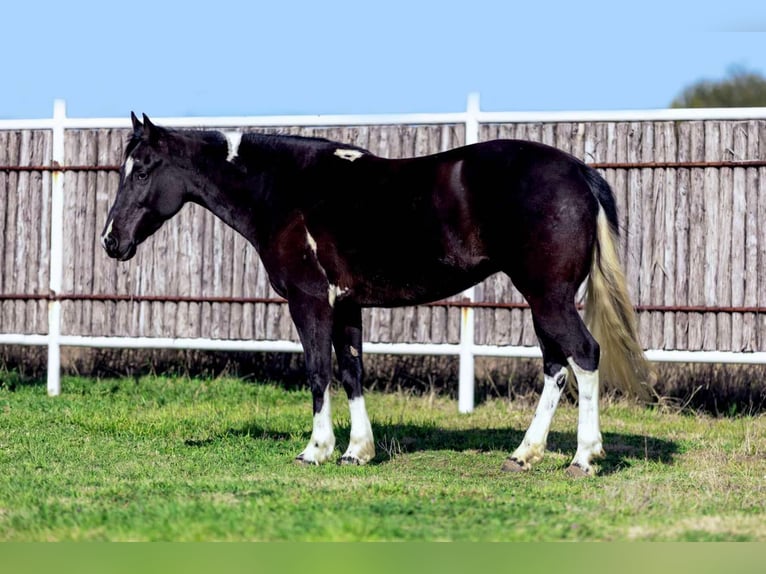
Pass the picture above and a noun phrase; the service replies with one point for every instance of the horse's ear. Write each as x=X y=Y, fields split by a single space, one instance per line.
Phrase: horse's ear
x=137 y=127
x=151 y=132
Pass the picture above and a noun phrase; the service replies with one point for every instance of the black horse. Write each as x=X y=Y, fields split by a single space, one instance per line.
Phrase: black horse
x=338 y=229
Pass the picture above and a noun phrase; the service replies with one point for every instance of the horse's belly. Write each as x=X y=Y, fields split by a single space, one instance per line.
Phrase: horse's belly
x=417 y=285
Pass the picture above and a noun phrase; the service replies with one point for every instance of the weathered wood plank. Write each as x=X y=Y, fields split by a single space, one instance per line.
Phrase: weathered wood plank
x=646 y=205
x=711 y=217
x=669 y=271
x=681 y=231
x=761 y=208
x=752 y=228
x=736 y=229
x=696 y=236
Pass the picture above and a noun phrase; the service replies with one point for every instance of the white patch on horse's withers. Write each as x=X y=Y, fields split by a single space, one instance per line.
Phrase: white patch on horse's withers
x=361 y=447
x=128 y=167
x=322 y=442
x=233 y=139
x=106 y=233
x=348 y=154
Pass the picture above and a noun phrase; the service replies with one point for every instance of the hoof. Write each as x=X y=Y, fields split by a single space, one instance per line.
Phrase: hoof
x=349 y=461
x=513 y=465
x=576 y=471
x=300 y=461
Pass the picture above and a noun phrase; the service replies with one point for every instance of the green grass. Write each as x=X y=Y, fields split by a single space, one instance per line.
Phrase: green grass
x=178 y=459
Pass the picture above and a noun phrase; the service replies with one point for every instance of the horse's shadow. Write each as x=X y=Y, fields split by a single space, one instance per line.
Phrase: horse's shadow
x=622 y=449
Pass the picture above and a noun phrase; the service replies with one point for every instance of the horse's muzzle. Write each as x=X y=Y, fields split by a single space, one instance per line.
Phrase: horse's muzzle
x=115 y=250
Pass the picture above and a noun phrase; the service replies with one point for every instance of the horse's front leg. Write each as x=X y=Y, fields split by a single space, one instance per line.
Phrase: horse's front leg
x=313 y=321
x=347 y=339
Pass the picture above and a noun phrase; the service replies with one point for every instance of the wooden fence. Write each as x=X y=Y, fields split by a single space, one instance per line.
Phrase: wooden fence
x=691 y=198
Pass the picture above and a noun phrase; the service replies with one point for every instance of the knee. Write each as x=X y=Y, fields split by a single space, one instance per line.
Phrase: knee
x=587 y=356
x=351 y=379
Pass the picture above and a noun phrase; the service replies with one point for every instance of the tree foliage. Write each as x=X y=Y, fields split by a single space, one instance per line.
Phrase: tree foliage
x=740 y=88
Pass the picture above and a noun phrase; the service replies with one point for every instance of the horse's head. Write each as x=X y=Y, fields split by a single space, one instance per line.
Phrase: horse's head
x=151 y=190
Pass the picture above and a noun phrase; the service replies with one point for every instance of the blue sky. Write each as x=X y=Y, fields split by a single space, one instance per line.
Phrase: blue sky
x=231 y=57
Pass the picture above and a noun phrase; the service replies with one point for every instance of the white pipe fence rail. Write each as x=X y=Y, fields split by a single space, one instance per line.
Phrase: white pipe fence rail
x=467 y=350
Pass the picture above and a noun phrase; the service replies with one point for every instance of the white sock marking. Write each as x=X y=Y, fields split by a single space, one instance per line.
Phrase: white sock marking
x=361 y=447
x=233 y=139
x=348 y=154
x=588 y=429
x=532 y=447
x=322 y=442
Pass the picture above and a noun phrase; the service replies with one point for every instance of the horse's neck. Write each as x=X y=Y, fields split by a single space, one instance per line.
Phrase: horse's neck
x=230 y=205
x=244 y=199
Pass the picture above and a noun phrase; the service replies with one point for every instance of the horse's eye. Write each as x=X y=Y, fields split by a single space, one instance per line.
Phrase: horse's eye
x=141 y=175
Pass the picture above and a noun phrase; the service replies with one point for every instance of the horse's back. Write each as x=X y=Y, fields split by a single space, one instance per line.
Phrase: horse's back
x=424 y=228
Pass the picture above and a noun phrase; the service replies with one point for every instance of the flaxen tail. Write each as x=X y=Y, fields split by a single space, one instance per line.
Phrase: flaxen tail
x=609 y=313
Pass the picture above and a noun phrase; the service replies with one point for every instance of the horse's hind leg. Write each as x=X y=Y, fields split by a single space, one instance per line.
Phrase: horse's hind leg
x=564 y=341
x=347 y=339
x=532 y=447
x=589 y=443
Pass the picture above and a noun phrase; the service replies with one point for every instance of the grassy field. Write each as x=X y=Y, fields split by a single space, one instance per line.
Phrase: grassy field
x=178 y=459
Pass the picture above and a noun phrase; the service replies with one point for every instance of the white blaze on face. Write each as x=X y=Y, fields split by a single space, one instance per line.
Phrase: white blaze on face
x=348 y=154
x=106 y=233
x=128 y=167
x=233 y=139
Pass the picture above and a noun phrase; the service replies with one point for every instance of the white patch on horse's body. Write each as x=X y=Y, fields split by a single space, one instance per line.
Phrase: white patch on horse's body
x=532 y=447
x=128 y=167
x=311 y=241
x=107 y=233
x=233 y=139
x=333 y=292
x=349 y=154
x=322 y=442
x=589 y=444
x=361 y=447
x=353 y=350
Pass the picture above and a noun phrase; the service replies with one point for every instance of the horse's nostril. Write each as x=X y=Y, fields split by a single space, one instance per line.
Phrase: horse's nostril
x=110 y=243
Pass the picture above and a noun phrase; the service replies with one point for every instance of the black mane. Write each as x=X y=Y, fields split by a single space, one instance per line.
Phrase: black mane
x=265 y=141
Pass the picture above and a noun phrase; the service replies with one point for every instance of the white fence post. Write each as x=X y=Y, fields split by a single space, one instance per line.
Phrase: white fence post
x=57 y=250
x=466 y=375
